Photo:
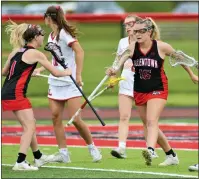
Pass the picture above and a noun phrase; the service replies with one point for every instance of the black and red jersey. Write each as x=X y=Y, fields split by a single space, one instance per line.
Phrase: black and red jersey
x=16 y=82
x=149 y=70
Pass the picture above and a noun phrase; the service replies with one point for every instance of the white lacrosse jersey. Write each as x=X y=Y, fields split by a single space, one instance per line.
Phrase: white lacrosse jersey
x=127 y=72
x=65 y=42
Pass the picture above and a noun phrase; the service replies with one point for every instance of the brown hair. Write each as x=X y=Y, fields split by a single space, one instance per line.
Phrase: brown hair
x=57 y=15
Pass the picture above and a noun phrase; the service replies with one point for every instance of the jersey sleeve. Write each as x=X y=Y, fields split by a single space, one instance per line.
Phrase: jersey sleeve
x=119 y=48
x=67 y=38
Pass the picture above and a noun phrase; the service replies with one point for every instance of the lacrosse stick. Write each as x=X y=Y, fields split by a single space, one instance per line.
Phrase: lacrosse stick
x=115 y=66
x=52 y=77
x=110 y=84
x=180 y=58
x=57 y=54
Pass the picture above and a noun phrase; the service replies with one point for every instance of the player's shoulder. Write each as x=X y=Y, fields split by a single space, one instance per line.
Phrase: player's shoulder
x=64 y=33
x=34 y=52
x=163 y=45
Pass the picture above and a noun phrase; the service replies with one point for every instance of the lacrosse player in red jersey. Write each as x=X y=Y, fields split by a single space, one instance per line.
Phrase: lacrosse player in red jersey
x=25 y=39
x=61 y=92
x=126 y=96
x=150 y=81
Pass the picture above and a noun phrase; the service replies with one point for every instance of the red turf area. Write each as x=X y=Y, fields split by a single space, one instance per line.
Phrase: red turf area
x=185 y=137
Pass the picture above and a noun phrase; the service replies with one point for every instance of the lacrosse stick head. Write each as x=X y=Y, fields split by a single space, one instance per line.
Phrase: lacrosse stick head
x=180 y=58
x=56 y=52
x=114 y=81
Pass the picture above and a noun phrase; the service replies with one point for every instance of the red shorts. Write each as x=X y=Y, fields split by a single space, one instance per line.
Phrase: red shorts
x=142 y=98
x=15 y=105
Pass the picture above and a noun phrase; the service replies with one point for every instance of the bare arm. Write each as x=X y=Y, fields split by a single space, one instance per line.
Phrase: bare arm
x=168 y=50
x=79 y=59
x=41 y=58
x=121 y=59
x=6 y=67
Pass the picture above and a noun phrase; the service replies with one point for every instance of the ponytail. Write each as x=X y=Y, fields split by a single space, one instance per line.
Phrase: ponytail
x=16 y=34
x=155 y=30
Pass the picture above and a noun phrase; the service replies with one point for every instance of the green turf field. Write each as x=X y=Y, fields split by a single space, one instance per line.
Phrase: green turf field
x=99 y=41
x=109 y=167
x=108 y=121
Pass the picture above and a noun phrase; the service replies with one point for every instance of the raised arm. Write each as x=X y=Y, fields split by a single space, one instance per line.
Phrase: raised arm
x=121 y=59
x=170 y=51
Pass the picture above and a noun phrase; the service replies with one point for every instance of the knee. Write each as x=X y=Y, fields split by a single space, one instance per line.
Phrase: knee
x=56 y=118
x=143 y=120
x=151 y=123
x=125 y=117
x=30 y=127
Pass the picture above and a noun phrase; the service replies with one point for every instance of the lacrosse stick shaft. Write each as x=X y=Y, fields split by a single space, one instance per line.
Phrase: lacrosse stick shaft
x=89 y=98
x=55 y=78
x=80 y=90
x=98 y=86
x=83 y=105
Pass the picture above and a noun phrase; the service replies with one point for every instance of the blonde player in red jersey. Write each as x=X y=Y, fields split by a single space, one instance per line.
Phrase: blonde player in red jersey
x=126 y=96
x=59 y=92
x=150 y=82
x=25 y=40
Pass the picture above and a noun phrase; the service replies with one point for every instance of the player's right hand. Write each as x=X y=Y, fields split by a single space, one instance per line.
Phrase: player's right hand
x=35 y=72
x=111 y=72
x=68 y=71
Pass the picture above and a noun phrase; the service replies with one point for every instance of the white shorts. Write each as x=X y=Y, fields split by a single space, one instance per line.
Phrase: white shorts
x=63 y=92
x=126 y=87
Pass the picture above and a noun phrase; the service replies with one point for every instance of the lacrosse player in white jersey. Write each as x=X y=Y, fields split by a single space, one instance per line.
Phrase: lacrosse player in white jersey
x=61 y=92
x=126 y=97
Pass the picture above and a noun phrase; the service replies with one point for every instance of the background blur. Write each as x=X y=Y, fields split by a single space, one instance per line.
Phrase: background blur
x=100 y=39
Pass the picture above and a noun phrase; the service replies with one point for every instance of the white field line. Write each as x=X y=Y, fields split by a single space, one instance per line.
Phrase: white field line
x=118 y=171
x=107 y=147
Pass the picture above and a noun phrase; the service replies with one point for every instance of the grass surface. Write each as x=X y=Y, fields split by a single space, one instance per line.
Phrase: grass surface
x=134 y=162
x=108 y=121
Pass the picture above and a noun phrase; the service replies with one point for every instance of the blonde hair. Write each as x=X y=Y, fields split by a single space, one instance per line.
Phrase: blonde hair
x=16 y=34
x=137 y=18
x=156 y=31
x=151 y=25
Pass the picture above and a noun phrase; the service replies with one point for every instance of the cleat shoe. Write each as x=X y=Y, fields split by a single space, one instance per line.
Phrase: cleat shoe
x=95 y=154
x=170 y=160
x=193 y=168
x=147 y=154
x=44 y=159
x=62 y=158
x=24 y=166
x=155 y=155
x=119 y=153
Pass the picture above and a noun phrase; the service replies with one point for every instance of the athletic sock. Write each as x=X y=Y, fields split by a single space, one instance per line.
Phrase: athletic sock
x=90 y=146
x=21 y=157
x=63 y=151
x=151 y=148
x=170 y=152
x=122 y=145
x=37 y=154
